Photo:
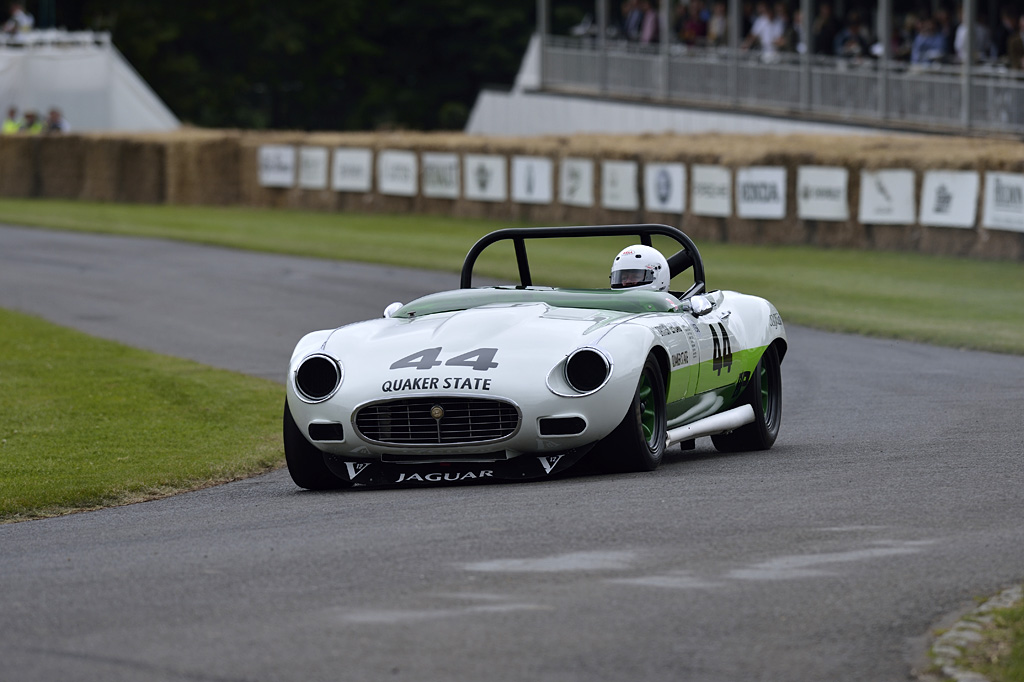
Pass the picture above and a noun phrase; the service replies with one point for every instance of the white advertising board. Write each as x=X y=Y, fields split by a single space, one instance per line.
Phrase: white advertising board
x=950 y=198
x=352 y=170
x=822 y=193
x=761 y=192
x=618 y=185
x=485 y=178
x=887 y=197
x=711 y=191
x=277 y=165
x=1004 y=201
x=441 y=175
x=665 y=187
x=576 y=182
x=532 y=178
x=313 y=167
x=396 y=173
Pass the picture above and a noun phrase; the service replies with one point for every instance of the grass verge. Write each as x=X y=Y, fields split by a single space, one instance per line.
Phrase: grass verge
x=86 y=423
x=999 y=656
x=947 y=301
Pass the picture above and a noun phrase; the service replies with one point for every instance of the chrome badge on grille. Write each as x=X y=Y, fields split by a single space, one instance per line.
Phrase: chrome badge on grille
x=436 y=411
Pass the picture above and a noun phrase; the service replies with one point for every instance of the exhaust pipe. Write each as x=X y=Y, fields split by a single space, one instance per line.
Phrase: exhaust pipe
x=710 y=426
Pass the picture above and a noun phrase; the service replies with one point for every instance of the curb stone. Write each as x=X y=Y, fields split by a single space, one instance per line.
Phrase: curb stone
x=951 y=645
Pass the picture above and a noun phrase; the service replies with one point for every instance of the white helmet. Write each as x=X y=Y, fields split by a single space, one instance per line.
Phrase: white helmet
x=640 y=267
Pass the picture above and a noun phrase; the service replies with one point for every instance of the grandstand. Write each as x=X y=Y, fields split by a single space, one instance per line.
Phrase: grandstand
x=596 y=80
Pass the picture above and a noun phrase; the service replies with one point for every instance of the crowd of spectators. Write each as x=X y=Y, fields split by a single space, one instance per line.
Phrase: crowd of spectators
x=921 y=38
x=31 y=123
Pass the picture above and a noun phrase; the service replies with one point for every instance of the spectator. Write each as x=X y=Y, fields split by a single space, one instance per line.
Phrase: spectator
x=824 y=30
x=851 y=41
x=718 y=25
x=11 y=124
x=1015 y=46
x=649 y=23
x=764 y=32
x=944 y=27
x=981 y=39
x=632 y=18
x=695 y=27
x=56 y=123
x=32 y=124
x=929 y=46
x=20 y=21
x=1004 y=30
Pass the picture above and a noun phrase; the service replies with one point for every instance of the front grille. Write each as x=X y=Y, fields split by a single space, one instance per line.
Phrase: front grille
x=464 y=420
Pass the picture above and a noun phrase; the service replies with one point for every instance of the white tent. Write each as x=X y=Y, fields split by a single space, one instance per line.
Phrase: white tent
x=84 y=76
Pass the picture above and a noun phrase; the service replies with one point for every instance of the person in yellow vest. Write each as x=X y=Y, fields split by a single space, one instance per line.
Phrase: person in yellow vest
x=33 y=124
x=11 y=124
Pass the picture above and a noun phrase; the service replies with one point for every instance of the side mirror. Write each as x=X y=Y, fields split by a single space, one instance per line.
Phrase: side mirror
x=700 y=305
x=392 y=308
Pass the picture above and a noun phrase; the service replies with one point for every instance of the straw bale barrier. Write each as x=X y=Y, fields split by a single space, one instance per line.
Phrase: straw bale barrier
x=217 y=167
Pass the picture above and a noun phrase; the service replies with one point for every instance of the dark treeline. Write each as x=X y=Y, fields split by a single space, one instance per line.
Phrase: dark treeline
x=315 y=64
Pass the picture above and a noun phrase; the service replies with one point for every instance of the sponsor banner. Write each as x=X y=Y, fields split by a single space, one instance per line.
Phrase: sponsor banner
x=887 y=197
x=1004 y=201
x=618 y=185
x=532 y=180
x=711 y=191
x=485 y=178
x=352 y=170
x=441 y=176
x=396 y=173
x=313 y=167
x=761 y=192
x=950 y=198
x=665 y=187
x=821 y=193
x=277 y=165
x=576 y=182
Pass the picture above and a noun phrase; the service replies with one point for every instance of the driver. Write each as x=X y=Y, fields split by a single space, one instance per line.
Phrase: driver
x=640 y=267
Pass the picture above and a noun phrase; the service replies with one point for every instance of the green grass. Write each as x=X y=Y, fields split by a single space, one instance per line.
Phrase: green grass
x=947 y=301
x=86 y=423
x=1000 y=654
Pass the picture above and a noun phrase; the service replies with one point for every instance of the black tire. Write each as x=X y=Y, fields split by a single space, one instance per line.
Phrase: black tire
x=764 y=394
x=638 y=442
x=306 y=462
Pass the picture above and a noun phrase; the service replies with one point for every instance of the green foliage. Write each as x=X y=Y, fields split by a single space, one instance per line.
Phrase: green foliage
x=999 y=655
x=319 y=64
x=86 y=422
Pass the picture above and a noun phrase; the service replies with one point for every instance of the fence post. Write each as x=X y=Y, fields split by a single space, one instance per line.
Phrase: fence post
x=885 y=38
x=663 y=42
x=734 y=50
x=968 y=20
x=542 y=32
x=602 y=45
x=805 y=58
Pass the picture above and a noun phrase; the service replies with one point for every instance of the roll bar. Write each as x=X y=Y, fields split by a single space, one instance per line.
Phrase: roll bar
x=686 y=257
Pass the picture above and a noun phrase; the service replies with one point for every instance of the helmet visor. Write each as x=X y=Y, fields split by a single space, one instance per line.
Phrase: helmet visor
x=623 y=279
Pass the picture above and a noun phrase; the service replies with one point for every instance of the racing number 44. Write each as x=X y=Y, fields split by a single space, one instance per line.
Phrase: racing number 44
x=481 y=359
x=721 y=357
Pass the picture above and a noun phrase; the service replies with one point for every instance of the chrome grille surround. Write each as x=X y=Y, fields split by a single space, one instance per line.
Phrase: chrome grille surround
x=407 y=422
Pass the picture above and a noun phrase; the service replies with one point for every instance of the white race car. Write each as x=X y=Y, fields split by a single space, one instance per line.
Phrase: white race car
x=515 y=382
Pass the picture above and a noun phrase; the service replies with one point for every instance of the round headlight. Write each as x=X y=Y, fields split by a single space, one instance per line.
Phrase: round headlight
x=587 y=369
x=317 y=378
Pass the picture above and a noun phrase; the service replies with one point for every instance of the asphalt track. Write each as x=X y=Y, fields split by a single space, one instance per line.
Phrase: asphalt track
x=893 y=497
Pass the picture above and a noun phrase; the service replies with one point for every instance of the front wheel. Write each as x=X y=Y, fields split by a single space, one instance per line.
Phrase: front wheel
x=638 y=442
x=305 y=462
x=764 y=394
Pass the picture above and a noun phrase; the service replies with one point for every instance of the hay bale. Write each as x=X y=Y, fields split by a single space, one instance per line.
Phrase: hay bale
x=19 y=167
x=204 y=169
x=61 y=166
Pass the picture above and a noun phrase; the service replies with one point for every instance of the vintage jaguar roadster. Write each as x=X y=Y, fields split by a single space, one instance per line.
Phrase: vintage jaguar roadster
x=512 y=382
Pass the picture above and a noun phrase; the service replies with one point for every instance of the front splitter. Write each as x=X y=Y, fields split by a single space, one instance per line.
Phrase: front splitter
x=524 y=467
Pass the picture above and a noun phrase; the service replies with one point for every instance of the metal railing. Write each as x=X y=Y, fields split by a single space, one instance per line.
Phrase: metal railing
x=817 y=87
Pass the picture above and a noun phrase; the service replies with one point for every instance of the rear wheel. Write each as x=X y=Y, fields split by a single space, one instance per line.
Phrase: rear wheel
x=306 y=462
x=638 y=442
x=764 y=394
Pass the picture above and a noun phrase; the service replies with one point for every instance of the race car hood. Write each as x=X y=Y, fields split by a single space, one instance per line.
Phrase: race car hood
x=485 y=341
